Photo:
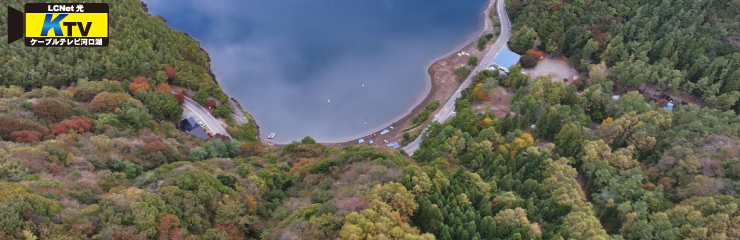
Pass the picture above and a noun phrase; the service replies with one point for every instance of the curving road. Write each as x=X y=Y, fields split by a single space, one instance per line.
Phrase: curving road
x=213 y=125
x=448 y=110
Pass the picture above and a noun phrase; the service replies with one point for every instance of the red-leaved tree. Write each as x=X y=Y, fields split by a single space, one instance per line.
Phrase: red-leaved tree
x=52 y=110
x=211 y=103
x=155 y=146
x=25 y=136
x=171 y=72
x=180 y=98
x=75 y=123
x=9 y=126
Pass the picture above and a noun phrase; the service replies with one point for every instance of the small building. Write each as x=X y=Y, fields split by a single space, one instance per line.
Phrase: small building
x=505 y=59
x=189 y=126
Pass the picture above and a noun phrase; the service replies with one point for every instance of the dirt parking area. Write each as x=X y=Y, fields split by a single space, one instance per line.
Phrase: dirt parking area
x=500 y=100
x=558 y=68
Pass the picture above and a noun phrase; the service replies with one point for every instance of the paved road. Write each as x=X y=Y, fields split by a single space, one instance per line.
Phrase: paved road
x=448 y=110
x=213 y=125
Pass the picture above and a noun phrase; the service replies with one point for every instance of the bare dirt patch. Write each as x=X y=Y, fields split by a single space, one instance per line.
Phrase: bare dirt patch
x=558 y=68
x=500 y=100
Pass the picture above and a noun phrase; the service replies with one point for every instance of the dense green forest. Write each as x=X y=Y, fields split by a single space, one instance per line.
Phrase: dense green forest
x=140 y=45
x=693 y=46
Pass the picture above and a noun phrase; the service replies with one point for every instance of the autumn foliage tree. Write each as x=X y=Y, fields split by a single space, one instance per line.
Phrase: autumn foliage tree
x=25 y=136
x=251 y=205
x=171 y=72
x=52 y=110
x=9 y=126
x=75 y=123
x=536 y=54
x=108 y=102
x=478 y=93
x=139 y=83
x=211 y=103
x=180 y=98
x=251 y=149
x=163 y=88
x=168 y=227
x=154 y=146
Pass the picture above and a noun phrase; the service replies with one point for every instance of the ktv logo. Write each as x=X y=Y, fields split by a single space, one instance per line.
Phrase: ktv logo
x=60 y=24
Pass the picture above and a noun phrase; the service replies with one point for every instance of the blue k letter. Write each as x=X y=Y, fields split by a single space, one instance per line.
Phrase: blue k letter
x=53 y=24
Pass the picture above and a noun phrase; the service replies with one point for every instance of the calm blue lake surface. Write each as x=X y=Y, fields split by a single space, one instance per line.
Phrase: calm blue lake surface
x=284 y=59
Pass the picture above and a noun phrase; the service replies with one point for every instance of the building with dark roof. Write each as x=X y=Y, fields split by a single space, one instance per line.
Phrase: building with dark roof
x=505 y=59
x=189 y=126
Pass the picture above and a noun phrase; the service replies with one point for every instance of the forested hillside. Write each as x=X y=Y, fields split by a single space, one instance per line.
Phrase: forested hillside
x=650 y=173
x=693 y=46
x=140 y=45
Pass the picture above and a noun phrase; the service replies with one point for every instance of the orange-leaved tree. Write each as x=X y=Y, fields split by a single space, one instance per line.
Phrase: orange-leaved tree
x=108 y=102
x=139 y=83
x=163 y=88
x=536 y=54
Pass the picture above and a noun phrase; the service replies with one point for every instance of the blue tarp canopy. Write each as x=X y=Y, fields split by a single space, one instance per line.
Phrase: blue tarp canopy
x=669 y=106
x=393 y=145
x=370 y=141
x=361 y=140
x=506 y=59
x=384 y=131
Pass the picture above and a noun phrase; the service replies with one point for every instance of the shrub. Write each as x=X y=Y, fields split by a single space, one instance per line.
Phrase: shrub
x=462 y=72
x=473 y=60
x=319 y=196
x=324 y=166
x=528 y=61
x=308 y=140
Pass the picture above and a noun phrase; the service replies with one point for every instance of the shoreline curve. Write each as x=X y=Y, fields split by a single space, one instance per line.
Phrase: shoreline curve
x=425 y=95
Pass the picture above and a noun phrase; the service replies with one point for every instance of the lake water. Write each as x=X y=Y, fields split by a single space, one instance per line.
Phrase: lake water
x=284 y=59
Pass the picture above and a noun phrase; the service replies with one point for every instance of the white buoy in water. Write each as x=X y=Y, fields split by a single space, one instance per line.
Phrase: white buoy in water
x=328 y=101
x=363 y=85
